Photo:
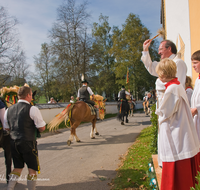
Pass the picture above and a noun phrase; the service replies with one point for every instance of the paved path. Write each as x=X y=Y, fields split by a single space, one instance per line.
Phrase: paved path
x=88 y=165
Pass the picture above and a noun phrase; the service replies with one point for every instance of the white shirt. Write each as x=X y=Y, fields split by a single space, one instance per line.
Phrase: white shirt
x=189 y=92
x=178 y=139
x=2 y=112
x=151 y=67
x=88 y=89
x=34 y=113
x=195 y=103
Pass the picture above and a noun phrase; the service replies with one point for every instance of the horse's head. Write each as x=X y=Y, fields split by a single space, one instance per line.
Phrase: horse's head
x=101 y=104
x=33 y=98
x=102 y=109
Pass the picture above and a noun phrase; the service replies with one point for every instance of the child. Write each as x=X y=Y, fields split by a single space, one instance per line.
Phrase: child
x=195 y=100
x=188 y=88
x=178 y=141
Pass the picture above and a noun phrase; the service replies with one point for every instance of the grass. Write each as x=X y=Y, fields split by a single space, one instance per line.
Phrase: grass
x=132 y=172
x=42 y=100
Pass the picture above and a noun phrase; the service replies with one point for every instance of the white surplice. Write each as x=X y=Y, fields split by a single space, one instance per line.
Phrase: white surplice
x=160 y=86
x=195 y=103
x=189 y=92
x=177 y=135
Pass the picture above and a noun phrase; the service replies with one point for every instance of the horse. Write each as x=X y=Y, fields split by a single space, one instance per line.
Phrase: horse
x=131 y=106
x=76 y=113
x=146 y=107
x=123 y=111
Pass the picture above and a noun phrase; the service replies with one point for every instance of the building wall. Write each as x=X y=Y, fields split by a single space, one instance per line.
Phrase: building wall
x=178 y=28
x=194 y=6
x=182 y=22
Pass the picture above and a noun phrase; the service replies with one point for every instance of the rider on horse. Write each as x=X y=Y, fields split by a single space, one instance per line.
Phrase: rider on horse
x=149 y=101
x=84 y=95
x=122 y=94
x=124 y=107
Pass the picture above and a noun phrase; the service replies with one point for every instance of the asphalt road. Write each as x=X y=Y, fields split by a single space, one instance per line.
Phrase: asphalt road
x=88 y=165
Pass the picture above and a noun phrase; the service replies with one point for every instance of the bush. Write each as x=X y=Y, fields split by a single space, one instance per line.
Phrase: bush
x=154 y=132
x=197 y=186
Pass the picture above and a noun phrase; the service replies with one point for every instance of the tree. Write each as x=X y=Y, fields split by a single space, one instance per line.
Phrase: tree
x=127 y=48
x=12 y=57
x=102 y=60
x=71 y=44
x=44 y=70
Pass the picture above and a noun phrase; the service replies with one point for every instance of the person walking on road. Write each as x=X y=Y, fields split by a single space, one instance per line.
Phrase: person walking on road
x=24 y=121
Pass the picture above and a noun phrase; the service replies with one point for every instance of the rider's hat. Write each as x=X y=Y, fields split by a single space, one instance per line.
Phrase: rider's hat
x=84 y=81
x=123 y=86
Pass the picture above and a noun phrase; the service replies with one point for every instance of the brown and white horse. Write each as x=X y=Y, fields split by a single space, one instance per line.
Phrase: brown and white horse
x=76 y=113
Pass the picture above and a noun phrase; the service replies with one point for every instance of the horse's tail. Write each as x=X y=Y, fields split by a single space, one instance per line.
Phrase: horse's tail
x=119 y=116
x=64 y=115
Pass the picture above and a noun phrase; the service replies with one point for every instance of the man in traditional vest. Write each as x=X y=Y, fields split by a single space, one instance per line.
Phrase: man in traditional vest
x=23 y=121
x=122 y=94
x=84 y=95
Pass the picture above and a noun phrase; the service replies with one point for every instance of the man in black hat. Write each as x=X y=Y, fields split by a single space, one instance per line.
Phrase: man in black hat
x=84 y=93
x=122 y=94
x=123 y=104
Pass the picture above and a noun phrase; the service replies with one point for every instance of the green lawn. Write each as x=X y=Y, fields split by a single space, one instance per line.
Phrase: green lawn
x=132 y=173
x=42 y=100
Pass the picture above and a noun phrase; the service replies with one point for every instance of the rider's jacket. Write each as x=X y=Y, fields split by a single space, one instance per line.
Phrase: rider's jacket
x=84 y=94
x=22 y=127
x=122 y=95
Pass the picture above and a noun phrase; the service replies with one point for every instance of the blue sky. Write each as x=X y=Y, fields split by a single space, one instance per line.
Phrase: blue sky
x=37 y=16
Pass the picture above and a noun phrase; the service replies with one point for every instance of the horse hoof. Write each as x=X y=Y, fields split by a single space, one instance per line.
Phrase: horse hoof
x=68 y=142
x=122 y=123
x=78 y=141
x=97 y=133
x=92 y=137
x=126 y=121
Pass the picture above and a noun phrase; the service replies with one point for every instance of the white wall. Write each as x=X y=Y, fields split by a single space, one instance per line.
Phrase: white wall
x=177 y=22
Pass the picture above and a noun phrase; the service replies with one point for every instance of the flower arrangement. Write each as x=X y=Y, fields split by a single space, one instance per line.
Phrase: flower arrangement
x=9 y=94
x=101 y=105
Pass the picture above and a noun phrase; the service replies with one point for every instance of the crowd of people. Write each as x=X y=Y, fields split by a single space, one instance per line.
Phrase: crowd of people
x=178 y=110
